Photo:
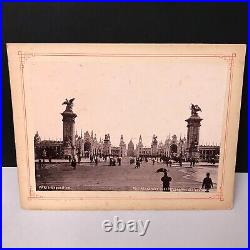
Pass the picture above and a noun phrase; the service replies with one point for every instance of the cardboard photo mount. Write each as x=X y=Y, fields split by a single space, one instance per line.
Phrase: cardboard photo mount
x=20 y=55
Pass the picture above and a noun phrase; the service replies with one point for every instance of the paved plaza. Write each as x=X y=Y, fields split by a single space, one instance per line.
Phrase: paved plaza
x=126 y=177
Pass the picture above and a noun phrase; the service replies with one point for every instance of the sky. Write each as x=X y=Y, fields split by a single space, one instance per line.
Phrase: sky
x=129 y=96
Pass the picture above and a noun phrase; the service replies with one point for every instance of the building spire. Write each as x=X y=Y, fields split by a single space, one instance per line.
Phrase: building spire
x=140 y=139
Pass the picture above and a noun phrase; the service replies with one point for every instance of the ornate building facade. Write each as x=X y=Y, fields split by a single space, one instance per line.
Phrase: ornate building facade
x=209 y=152
x=87 y=144
x=171 y=148
x=52 y=149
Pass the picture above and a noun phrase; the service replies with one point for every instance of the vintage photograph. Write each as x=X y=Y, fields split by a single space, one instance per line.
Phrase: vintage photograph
x=139 y=121
x=132 y=124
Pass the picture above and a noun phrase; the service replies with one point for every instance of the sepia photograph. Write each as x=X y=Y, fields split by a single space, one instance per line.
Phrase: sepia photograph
x=128 y=125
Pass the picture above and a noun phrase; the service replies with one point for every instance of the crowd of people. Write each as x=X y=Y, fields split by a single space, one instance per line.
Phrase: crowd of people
x=207 y=183
x=117 y=160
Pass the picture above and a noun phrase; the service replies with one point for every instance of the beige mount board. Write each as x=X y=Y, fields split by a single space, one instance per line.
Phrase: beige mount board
x=174 y=108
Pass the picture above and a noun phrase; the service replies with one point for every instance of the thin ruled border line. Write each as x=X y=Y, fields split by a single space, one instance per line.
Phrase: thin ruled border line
x=218 y=195
x=231 y=64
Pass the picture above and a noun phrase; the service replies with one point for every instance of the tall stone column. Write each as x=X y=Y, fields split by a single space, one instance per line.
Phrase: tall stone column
x=69 y=144
x=193 y=133
x=154 y=146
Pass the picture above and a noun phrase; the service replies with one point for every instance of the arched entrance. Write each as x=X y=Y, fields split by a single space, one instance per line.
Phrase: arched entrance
x=87 y=149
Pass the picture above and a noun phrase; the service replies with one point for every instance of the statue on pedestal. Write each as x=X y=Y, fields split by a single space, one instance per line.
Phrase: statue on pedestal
x=69 y=104
x=69 y=128
x=194 y=109
x=193 y=132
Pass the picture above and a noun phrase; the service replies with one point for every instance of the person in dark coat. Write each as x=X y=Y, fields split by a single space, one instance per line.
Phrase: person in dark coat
x=180 y=161
x=73 y=163
x=96 y=160
x=79 y=158
x=111 y=161
x=119 y=161
x=192 y=162
x=153 y=161
x=137 y=163
x=170 y=163
x=207 y=183
x=166 y=182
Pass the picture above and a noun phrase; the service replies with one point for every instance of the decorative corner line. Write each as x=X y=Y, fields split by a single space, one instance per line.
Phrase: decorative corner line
x=33 y=194
x=228 y=59
x=221 y=196
x=24 y=57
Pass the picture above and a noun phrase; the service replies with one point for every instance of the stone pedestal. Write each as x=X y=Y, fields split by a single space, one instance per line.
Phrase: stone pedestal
x=193 y=136
x=69 y=132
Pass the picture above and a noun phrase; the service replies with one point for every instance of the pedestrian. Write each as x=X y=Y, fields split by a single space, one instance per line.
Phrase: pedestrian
x=69 y=158
x=153 y=161
x=73 y=163
x=180 y=162
x=167 y=161
x=170 y=163
x=207 y=183
x=166 y=182
x=137 y=163
x=79 y=158
x=96 y=161
x=213 y=161
x=119 y=161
